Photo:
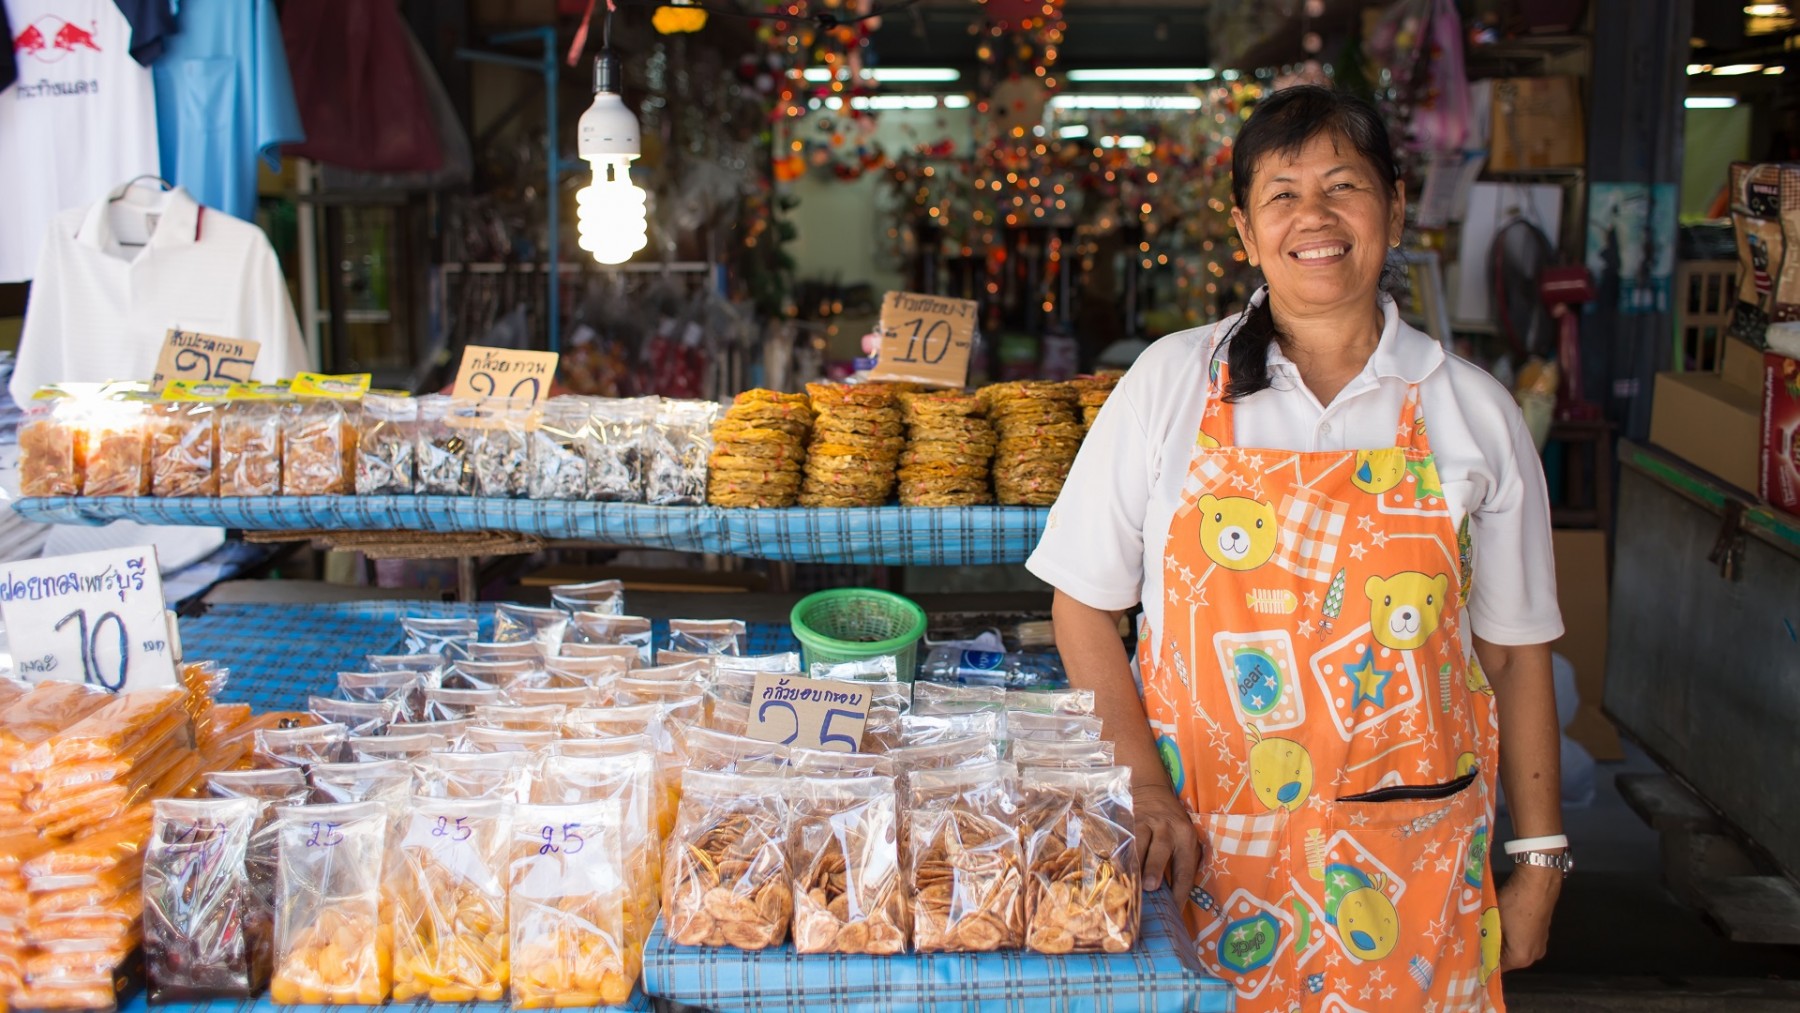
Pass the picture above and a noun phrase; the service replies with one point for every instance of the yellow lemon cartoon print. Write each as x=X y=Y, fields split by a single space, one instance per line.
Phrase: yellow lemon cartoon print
x=1235 y=532
x=1465 y=764
x=1206 y=440
x=1281 y=772
x=1404 y=609
x=1378 y=471
x=1368 y=923
x=1490 y=943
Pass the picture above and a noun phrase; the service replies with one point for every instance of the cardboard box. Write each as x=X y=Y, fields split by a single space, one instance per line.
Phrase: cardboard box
x=1537 y=124
x=1780 y=476
x=1581 y=591
x=1742 y=365
x=1711 y=423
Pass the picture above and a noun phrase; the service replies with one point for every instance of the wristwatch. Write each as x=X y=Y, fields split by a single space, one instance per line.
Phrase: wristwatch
x=1564 y=861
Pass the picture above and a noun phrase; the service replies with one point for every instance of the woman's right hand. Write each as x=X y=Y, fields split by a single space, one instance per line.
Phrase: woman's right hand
x=1166 y=839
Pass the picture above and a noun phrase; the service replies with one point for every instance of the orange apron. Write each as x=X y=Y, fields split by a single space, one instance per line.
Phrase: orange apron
x=1317 y=703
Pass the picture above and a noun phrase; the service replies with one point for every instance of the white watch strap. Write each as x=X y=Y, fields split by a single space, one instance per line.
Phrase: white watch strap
x=1536 y=844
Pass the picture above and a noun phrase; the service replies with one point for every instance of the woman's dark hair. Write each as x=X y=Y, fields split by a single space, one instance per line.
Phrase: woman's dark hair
x=1282 y=124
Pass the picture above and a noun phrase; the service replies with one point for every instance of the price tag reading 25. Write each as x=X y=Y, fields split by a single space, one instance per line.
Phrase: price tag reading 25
x=925 y=339
x=814 y=713
x=96 y=617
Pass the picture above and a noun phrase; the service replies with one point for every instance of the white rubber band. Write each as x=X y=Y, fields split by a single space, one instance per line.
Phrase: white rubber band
x=1536 y=844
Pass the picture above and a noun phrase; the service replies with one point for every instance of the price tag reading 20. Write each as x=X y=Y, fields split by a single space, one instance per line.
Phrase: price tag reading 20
x=925 y=339
x=95 y=617
x=814 y=713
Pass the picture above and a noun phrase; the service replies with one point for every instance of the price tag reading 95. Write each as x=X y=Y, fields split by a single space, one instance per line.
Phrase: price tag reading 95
x=814 y=713
x=96 y=617
x=925 y=339
x=504 y=372
x=203 y=358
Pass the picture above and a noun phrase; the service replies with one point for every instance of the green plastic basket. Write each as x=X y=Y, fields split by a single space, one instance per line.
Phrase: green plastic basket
x=847 y=624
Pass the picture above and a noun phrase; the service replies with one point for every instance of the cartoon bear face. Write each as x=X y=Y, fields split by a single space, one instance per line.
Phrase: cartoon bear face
x=1404 y=609
x=1378 y=471
x=1235 y=532
x=1368 y=923
x=1281 y=772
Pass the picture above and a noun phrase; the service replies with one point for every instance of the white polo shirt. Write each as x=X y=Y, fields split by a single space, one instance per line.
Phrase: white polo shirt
x=99 y=309
x=1103 y=545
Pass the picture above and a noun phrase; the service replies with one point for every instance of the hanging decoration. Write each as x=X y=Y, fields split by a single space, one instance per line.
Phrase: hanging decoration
x=680 y=17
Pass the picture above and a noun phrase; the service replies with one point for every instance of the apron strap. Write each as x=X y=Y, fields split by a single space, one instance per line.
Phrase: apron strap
x=1411 y=428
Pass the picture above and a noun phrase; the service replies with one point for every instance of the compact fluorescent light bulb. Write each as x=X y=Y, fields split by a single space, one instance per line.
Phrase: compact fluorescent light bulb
x=609 y=212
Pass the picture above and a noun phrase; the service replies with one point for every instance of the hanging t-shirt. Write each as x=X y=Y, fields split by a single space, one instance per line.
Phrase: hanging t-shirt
x=115 y=276
x=80 y=120
x=152 y=23
x=223 y=97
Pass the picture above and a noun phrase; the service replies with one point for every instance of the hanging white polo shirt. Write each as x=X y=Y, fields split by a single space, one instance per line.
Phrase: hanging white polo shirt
x=1104 y=540
x=100 y=306
x=80 y=119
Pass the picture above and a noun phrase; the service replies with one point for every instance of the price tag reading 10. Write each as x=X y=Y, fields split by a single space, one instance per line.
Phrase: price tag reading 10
x=96 y=617
x=925 y=339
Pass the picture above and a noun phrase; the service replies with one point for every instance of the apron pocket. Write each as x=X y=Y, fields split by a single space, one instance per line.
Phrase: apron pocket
x=1415 y=793
x=1240 y=912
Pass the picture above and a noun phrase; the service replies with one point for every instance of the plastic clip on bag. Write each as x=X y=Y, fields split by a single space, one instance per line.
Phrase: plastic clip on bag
x=205 y=931
x=725 y=882
x=964 y=861
x=1082 y=892
x=845 y=856
x=331 y=945
x=447 y=902
x=577 y=920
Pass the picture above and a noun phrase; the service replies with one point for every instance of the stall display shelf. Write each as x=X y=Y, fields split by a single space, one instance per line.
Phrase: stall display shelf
x=263 y=1004
x=879 y=536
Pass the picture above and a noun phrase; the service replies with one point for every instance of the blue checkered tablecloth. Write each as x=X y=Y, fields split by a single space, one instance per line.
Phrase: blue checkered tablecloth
x=892 y=536
x=1160 y=975
x=281 y=654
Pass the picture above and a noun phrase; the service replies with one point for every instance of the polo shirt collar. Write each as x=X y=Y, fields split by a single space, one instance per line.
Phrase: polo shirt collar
x=1404 y=353
x=180 y=224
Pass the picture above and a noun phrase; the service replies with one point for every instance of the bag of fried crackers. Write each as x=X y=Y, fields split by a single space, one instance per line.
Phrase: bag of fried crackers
x=52 y=445
x=184 y=440
x=965 y=867
x=577 y=923
x=725 y=877
x=1081 y=882
x=331 y=944
x=844 y=853
x=318 y=457
x=446 y=901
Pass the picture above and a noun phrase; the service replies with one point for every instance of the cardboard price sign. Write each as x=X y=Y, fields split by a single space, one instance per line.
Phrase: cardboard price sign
x=925 y=339
x=204 y=358
x=96 y=617
x=504 y=372
x=815 y=713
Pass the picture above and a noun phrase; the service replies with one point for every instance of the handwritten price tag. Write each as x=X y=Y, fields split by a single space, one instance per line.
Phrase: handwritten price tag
x=204 y=358
x=97 y=618
x=925 y=339
x=815 y=713
x=504 y=372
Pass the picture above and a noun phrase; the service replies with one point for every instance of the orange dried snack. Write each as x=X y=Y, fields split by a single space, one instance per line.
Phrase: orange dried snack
x=47 y=709
x=113 y=729
x=184 y=449
x=250 y=442
x=50 y=457
x=342 y=958
x=318 y=457
x=446 y=903
x=118 y=452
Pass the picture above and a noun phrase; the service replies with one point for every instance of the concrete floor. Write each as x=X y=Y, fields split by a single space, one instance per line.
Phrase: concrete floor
x=1621 y=940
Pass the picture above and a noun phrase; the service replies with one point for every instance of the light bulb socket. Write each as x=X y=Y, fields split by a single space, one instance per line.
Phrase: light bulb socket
x=609 y=73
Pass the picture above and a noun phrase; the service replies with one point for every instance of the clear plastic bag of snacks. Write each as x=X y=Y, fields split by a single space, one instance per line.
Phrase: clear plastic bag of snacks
x=578 y=919
x=632 y=655
x=271 y=790
x=562 y=672
x=301 y=747
x=110 y=730
x=615 y=631
x=184 y=448
x=844 y=848
x=559 y=465
x=205 y=934
x=117 y=461
x=505 y=776
x=1078 y=754
x=694 y=674
x=318 y=456
x=933 y=699
x=332 y=946
x=491 y=676
x=446 y=898
x=516 y=623
x=429 y=666
x=500 y=447
x=621 y=769
x=52 y=444
x=679 y=443
x=596 y=596
x=483 y=739
x=389 y=782
x=1052 y=727
x=566 y=698
x=681 y=701
x=928 y=729
x=725 y=881
x=1050 y=701
x=964 y=863
x=707 y=636
x=449 y=729
x=446 y=704
x=1081 y=882
x=542 y=718
x=447 y=637
x=441 y=449
x=803 y=762
x=726 y=715
x=404 y=690
x=405 y=744
x=250 y=442
x=618 y=448
x=385 y=445
x=522 y=650
x=709 y=749
x=357 y=717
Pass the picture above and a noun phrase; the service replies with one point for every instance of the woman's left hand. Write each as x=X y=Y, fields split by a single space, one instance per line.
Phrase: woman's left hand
x=1526 y=903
